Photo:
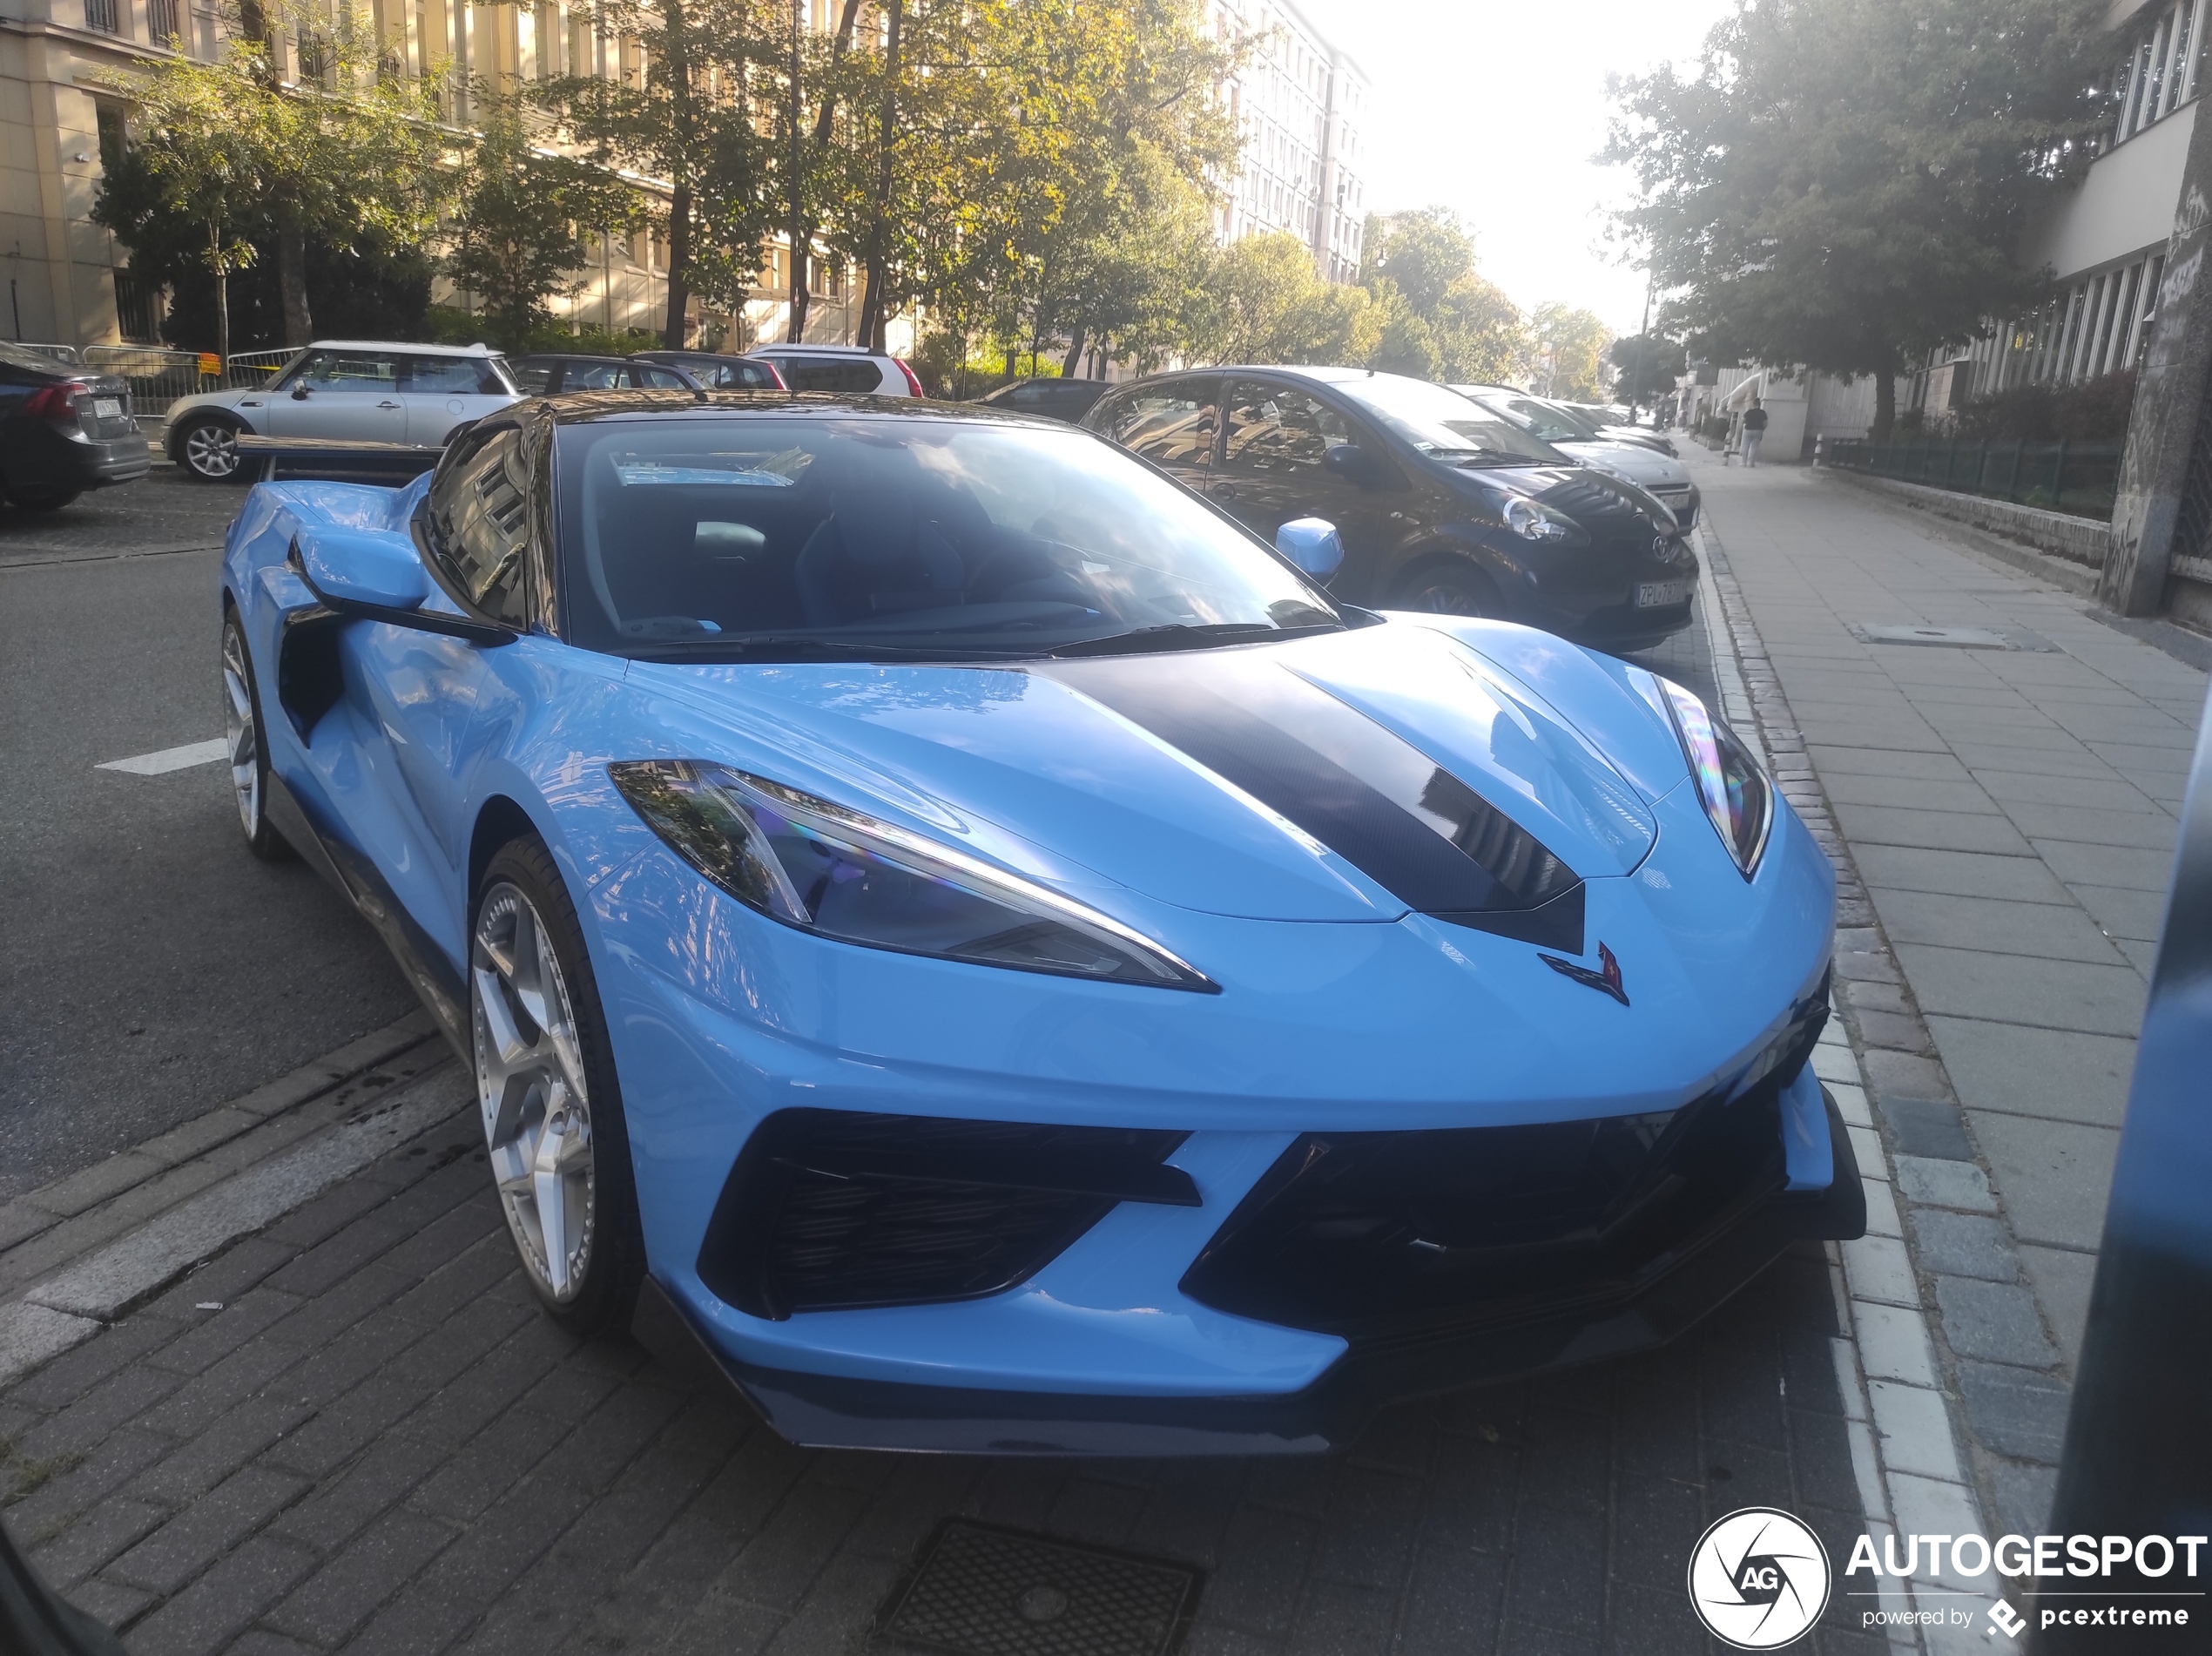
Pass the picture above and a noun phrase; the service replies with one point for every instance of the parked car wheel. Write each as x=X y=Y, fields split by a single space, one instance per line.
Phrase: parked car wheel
x=249 y=758
x=1448 y=586
x=552 y=1108
x=50 y=499
x=207 y=447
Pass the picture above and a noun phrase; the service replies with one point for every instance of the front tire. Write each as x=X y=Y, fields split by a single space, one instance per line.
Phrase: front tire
x=207 y=447
x=249 y=756
x=1448 y=586
x=551 y=1105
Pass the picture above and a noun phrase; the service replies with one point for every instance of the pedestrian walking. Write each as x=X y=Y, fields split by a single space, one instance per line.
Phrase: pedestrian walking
x=1753 y=429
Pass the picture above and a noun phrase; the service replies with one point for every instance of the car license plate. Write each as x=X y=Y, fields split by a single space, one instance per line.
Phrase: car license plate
x=108 y=408
x=1656 y=595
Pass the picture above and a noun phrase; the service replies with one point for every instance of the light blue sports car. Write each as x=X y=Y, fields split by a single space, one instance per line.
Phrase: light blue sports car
x=952 y=927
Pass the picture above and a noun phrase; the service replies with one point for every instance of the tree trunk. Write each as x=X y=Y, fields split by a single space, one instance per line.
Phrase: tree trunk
x=1885 y=404
x=679 y=264
x=1071 y=366
x=221 y=267
x=292 y=274
x=802 y=229
x=874 y=316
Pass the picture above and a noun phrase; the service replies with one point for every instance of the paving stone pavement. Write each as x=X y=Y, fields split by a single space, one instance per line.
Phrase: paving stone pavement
x=354 y=1431
x=2010 y=816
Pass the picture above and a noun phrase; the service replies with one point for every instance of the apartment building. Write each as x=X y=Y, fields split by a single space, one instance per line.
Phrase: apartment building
x=2106 y=241
x=70 y=282
x=1300 y=104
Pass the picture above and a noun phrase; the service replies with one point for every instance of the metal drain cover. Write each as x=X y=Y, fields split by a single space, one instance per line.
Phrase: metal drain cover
x=984 y=1592
x=1954 y=638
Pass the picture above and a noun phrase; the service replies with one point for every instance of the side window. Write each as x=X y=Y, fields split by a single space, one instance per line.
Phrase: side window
x=350 y=373
x=480 y=520
x=453 y=376
x=1171 y=424
x=659 y=379
x=1279 y=432
x=831 y=374
x=533 y=377
x=592 y=376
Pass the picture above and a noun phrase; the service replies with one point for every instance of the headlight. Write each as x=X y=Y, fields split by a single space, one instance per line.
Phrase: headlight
x=821 y=868
x=1531 y=521
x=1737 y=795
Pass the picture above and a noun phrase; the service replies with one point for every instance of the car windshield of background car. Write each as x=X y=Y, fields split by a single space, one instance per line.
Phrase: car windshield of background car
x=1446 y=426
x=1548 y=420
x=764 y=538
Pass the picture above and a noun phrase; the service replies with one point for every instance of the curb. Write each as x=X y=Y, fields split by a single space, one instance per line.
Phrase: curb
x=1918 y=1406
x=83 y=1251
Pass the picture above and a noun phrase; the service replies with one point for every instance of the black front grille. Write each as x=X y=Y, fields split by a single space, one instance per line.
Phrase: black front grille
x=1382 y=1237
x=830 y=1209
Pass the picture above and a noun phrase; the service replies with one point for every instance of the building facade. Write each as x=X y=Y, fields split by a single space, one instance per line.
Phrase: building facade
x=1300 y=106
x=70 y=281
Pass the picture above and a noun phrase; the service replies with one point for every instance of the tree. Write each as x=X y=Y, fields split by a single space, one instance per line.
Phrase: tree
x=1570 y=352
x=515 y=243
x=686 y=117
x=1421 y=253
x=1263 y=302
x=347 y=153
x=1439 y=319
x=1648 y=368
x=1844 y=184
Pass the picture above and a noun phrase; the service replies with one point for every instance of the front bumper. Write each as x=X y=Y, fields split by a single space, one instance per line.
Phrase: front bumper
x=1573 y=1325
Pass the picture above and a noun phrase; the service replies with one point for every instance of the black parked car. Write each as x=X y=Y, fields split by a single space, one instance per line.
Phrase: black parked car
x=1068 y=400
x=549 y=374
x=719 y=372
x=64 y=430
x=1441 y=504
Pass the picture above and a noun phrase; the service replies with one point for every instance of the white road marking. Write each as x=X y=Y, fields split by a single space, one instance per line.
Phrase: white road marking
x=169 y=758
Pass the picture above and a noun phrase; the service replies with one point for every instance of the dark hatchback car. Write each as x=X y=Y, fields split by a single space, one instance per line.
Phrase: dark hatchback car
x=64 y=430
x=1441 y=505
x=1068 y=400
x=719 y=372
x=547 y=375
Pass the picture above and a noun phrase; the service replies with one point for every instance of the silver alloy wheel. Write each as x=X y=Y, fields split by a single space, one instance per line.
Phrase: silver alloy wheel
x=241 y=730
x=531 y=1086
x=211 y=449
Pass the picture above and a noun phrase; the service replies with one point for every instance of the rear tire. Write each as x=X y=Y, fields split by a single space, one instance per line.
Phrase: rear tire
x=48 y=499
x=1448 y=586
x=206 y=446
x=551 y=1102
x=249 y=756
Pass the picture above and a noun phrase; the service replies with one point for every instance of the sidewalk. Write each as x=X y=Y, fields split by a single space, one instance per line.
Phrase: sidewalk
x=2011 y=815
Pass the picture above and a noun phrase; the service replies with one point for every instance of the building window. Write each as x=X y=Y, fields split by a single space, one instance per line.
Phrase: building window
x=100 y=14
x=114 y=136
x=163 y=26
x=2161 y=73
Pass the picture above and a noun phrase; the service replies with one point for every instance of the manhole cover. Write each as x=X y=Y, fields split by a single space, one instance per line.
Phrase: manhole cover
x=1954 y=638
x=984 y=1592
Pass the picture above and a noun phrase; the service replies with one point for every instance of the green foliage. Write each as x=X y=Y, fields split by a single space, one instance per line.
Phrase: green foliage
x=1570 y=346
x=1844 y=184
x=451 y=325
x=516 y=243
x=1438 y=318
x=1648 y=367
x=2095 y=411
x=1262 y=301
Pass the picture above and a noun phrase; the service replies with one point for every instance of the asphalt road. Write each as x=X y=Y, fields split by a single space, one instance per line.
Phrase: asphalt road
x=149 y=969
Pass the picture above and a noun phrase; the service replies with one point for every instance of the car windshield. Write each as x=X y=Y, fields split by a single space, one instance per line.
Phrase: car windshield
x=1441 y=423
x=1546 y=422
x=805 y=537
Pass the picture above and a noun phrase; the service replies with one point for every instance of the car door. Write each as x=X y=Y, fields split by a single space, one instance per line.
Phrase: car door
x=443 y=392
x=346 y=393
x=421 y=689
x=1173 y=424
x=1274 y=467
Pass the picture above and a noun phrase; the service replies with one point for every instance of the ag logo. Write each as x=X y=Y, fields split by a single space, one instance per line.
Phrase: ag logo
x=1758 y=1578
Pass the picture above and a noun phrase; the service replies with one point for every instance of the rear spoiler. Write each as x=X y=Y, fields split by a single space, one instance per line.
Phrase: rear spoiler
x=340 y=459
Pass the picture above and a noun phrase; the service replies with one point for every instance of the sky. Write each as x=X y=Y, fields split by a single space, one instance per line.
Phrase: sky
x=1495 y=107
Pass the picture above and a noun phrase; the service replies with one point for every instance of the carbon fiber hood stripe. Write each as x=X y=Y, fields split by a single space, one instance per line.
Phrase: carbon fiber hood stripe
x=1358 y=788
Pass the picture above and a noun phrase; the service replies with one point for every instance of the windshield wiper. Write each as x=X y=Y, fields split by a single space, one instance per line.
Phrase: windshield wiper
x=792 y=646
x=1178 y=635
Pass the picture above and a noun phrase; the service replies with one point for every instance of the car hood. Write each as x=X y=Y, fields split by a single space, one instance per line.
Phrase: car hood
x=1291 y=781
x=1609 y=508
x=1646 y=467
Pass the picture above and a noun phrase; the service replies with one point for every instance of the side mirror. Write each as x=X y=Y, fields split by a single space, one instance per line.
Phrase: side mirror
x=1313 y=544
x=1349 y=460
x=368 y=566
x=300 y=392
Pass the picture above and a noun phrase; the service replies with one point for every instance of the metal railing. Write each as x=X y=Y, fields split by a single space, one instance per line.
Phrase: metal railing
x=158 y=376
x=2078 y=478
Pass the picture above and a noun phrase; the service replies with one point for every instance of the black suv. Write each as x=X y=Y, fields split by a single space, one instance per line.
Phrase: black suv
x=1441 y=505
x=64 y=430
